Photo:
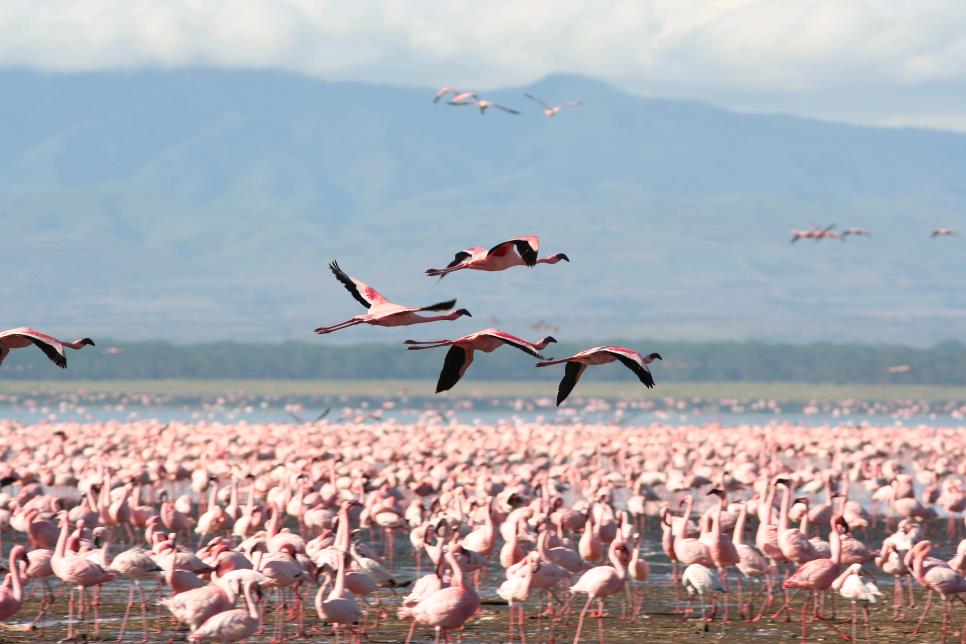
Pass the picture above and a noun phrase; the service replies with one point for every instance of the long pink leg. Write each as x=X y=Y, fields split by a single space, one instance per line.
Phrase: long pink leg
x=922 y=618
x=412 y=631
x=337 y=327
x=523 y=630
x=600 y=620
x=580 y=620
x=127 y=611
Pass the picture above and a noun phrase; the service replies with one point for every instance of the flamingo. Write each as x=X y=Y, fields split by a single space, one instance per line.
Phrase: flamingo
x=444 y=91
x=937 y=578
x=335 y=607
x=11 y=594
x=76 y=571
x=552 y=110
x=233 y=625
x=856 y=587
x=857 y=232
x=818 y=575
x=382 y=312
x=460 y=356
x=944 y=232
x=519 y=251
x=751 y=562
x=600 y=582
x=462 y=98
x=52 y=347
x=700 y=580
x=482 y=103
x=447 y=608
x=601 y=355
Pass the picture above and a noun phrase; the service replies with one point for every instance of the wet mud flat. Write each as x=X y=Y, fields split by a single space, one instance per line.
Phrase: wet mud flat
x=658 y=621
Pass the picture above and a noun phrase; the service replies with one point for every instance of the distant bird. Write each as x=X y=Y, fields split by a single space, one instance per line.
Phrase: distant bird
x=552 y=110
x=481 y=103
x=52 y=347
x=460 y=356
x=382 y=312
x=944 y=232
x=814 y=232
x=859 y=232
x=463 y=98
x=302 y=421
x=443 y=91
x=602 y=355
x=519 y=251
x=899 y=368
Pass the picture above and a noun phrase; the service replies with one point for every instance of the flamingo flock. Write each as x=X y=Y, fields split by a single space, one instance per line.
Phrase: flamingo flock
x=460 y=98
x=229 y=531
x=818 y=234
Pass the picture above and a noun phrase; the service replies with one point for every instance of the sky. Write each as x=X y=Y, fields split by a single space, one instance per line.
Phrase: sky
x=892 y=62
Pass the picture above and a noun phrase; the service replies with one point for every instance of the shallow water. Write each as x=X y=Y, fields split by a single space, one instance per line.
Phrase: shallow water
x=658 y=622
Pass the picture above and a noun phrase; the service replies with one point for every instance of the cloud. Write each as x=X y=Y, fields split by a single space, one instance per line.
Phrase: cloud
x=753 y=54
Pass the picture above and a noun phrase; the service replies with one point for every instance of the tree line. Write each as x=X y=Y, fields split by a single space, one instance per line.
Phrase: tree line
x=942 y=364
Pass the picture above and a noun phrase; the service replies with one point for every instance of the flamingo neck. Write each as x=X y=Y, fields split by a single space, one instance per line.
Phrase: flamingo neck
x=786 y=506
x=16 y=582
x=739 y=534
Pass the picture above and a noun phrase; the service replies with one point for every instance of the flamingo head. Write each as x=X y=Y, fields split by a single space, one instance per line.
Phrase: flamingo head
x=553 y=259
x=840 y=522
x=716 y=492
x=461 y=312
x=84 y=342
x=655 y=356
x=783 y=481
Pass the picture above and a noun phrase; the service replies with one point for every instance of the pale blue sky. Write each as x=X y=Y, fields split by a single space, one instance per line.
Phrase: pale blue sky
x=900 y=62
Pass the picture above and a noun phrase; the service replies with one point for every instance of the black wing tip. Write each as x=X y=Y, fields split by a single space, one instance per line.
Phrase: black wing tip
x=441 y=306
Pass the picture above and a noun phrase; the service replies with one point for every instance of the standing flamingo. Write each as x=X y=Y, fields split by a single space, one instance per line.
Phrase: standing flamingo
x=818 y=575
x=52 y=347
x=447 y=608
x=519 y=251
x=382 y=312
x=11 y=595
x=937 y=578
x=600 y=582
x=233 y=625
x=601 y=355
x=460 y=356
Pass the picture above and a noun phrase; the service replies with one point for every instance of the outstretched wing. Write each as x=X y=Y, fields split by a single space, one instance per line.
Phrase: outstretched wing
x=504 y=108
x=458 y=259
x=635 y=364
x=453 y=369
x=514 y=341
x=534 y=98
x=527 y=247
x=363 y=293
x=50 y=345
x=569 y=381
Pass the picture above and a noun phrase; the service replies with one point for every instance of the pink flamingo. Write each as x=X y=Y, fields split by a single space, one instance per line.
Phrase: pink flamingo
x=601 y=355
x=77 y=571
x=11 y=591
x=194 y=607
x=232 y=625
x=818 y=575
x=468 y=98
x=721 y=546
x=552 y=110
x=751 y=562
x=600 y=582
x=447 y=608
x=52 y=347
x=336 y=608
x=382 y=312
x=937 y=578
x=460 y=356
x=944 y=232
x=519 y=251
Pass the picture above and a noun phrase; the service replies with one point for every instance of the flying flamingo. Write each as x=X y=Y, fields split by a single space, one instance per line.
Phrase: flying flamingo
x=519 y=251
x=552 y=110
x=858 y=232
x=460 y=356
x=444 y=91
x=482 y=103
x=52 y=347
x=601 y=355
x=462 y=98
x=944 y=232
x=382 y=312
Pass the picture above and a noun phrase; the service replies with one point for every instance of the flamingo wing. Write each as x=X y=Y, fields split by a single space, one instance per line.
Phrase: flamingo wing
x=632 y=360
x=459 y=258
x=51 y=346
x=443 y=91
x=454 y=365
x=439 y=306
x=504 y=108
x=513 y=341
x=534 y=98
x=569 y=381
x=363 y=293
x=527 y=247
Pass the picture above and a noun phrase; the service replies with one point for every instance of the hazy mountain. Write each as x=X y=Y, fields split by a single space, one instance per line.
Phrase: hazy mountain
x=205 y=204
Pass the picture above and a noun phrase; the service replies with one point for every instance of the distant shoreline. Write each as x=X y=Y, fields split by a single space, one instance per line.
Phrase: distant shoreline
x=786 y=391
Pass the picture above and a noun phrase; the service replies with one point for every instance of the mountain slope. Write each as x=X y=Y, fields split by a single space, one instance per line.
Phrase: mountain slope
x=204 y=204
